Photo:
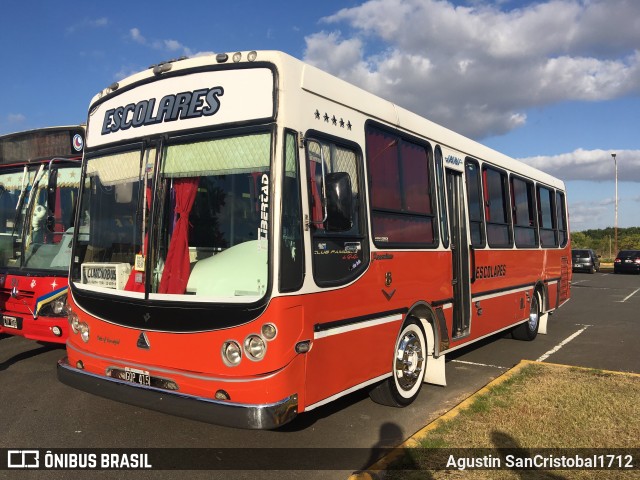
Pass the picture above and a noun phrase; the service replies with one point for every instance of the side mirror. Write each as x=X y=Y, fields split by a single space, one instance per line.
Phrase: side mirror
x=339 y=202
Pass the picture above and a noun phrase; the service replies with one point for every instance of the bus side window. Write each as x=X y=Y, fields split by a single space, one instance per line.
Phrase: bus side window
x=291 y=248
x=522 y=198
x=547 y=218
x=440 y=188
x=339 y=254
x=475 y=202
x=400 y=182
x=563 y=236
x=497 y=213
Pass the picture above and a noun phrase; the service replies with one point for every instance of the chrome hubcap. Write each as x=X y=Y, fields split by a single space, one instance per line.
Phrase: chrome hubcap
x=533 y=313
x=409 y=361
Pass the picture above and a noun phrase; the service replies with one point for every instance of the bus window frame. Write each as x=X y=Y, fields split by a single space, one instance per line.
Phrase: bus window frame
x=554 y=220
x=506 y=203
x=530 y=184
x=298 y=180
x=360 y=205
x=433 y=203
x=481 y=222
x=443 y=213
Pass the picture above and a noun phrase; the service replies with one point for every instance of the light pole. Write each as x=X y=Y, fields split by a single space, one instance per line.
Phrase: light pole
x=615 y=228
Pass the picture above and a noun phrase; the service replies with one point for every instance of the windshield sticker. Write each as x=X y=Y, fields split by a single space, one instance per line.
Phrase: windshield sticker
x=263 y=231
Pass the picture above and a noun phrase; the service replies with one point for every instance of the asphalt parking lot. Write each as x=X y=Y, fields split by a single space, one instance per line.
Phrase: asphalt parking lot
x=599 y=328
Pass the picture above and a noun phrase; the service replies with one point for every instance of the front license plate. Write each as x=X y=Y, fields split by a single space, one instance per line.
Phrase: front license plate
x=134 y=375
x=11 y=322
x=141 y=377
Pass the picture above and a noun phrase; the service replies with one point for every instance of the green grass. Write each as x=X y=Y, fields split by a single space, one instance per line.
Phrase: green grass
x=541 y=406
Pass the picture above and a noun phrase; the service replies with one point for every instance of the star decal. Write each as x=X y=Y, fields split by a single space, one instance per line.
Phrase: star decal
x=326 y=117
x=317 y=114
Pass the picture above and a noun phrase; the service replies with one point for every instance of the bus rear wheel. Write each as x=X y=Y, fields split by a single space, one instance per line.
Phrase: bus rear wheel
x=409 y=363
x=529 y=329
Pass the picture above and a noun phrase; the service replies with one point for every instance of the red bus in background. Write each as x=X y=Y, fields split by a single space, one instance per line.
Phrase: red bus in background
x=39 y=180
x=263 y=238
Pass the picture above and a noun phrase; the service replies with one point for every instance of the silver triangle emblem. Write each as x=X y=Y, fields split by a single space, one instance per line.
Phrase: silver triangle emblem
x=143 y=341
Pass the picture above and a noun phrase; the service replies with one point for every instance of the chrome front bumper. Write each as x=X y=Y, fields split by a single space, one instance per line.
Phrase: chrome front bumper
x=217 y=412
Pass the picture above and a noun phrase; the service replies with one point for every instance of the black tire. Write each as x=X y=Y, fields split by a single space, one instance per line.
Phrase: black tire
x=592 y=270
x=408 y=368
x=529 y=330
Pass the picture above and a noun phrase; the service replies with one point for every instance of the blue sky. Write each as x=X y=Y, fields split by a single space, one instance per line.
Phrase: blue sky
x=555 y=83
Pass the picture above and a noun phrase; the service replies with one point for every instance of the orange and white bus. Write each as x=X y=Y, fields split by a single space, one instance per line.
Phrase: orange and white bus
x=264 y=238
x=39 y=180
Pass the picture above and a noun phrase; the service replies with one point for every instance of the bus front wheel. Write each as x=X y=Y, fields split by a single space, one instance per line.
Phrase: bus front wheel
x=409 y=364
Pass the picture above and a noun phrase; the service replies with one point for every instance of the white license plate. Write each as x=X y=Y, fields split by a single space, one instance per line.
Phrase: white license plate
x=10 y=322
x=134 y=375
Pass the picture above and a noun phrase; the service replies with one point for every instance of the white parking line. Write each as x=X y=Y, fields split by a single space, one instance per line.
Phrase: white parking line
x=561 y=344
x=479 y=364
x=631 y=295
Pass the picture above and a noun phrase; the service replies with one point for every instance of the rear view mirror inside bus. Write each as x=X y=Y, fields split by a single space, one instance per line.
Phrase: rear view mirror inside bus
x=124 y=192
x=339 y=202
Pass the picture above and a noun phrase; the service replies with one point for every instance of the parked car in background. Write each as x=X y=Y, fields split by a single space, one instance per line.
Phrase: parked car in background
x=627 y=261
x=585 y=260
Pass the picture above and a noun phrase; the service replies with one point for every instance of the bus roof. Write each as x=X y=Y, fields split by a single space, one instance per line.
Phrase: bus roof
x=320 y=83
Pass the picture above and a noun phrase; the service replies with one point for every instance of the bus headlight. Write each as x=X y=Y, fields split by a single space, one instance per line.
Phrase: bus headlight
x=231 y=353
x=269 y=331
x=254 y=347
x=74 y=321
x=58 y=305
x=84 y=332
x=55 y=308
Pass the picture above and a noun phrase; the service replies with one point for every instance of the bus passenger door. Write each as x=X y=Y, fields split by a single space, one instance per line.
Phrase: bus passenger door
x=459 y=255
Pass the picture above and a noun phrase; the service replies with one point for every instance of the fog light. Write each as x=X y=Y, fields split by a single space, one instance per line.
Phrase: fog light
x=57 y=331
x=231 y=353
x=303 y=347
x=255 y=347
x=269 y=331
x=84 y=332
x=222 y=395
x=80 y=365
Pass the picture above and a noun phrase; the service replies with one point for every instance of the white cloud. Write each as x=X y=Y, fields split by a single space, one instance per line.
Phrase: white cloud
x=478 y=69
x=137 y=37
x=592 y=165
x=16 y=118
x=168 y=45
x=88 y=23
x=587 y=214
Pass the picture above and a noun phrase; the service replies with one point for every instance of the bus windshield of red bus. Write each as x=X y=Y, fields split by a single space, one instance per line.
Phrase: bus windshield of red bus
x=190 y=223
x=36 y=216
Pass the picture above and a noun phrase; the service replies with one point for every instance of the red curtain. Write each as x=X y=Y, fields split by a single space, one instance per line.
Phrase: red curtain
x=177 y=265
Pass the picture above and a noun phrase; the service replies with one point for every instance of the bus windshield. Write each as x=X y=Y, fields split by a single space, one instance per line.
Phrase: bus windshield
x=36 y=216
x=185 y=222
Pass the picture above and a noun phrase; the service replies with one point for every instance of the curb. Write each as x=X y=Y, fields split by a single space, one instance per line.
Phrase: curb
x=374 y=471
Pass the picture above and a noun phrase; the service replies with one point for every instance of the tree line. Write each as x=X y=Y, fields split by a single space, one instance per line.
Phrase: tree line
x=602 y=241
